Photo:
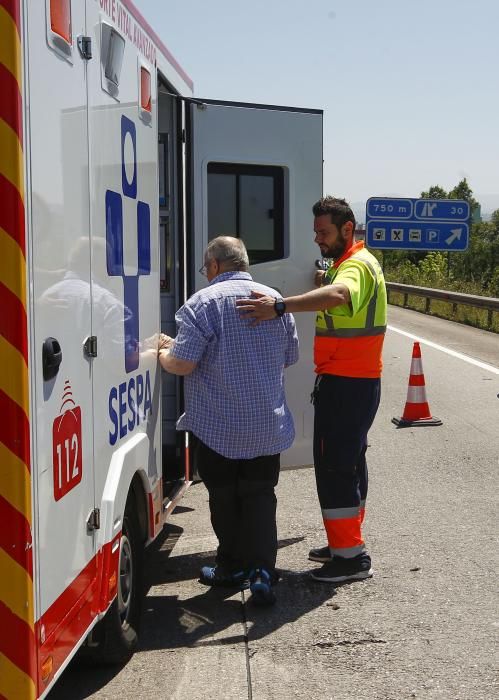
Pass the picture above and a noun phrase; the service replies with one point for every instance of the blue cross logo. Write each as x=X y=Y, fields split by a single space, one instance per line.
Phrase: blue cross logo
x=114 y=239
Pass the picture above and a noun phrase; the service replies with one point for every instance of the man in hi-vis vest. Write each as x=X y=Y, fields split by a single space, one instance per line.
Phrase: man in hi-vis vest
x=349 y=333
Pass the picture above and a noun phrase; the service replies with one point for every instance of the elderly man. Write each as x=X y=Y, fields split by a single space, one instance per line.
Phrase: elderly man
x=235 y=408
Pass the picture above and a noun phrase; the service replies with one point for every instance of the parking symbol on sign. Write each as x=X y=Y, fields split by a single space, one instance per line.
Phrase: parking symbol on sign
x=415 y=234
x=397 y=234
x=379 y=234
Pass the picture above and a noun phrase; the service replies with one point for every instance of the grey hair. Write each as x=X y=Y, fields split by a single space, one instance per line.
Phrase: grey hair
x=229 y=252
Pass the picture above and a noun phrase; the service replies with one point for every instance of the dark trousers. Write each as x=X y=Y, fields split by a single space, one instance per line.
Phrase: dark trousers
x=242 y=506
x=345 y=408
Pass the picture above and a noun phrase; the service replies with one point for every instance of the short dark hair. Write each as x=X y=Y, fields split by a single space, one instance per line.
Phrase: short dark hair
x=338 y=209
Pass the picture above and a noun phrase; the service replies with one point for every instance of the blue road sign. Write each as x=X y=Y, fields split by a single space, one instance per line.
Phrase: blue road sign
x=417 y=224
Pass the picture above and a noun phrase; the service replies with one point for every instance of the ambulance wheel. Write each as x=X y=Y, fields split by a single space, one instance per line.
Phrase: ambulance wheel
x=117 y=638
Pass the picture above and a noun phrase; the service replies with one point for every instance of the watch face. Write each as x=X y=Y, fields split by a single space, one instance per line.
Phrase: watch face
x=280 y=307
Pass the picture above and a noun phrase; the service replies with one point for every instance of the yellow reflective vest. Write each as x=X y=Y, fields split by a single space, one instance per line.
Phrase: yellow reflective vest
x=349 y=338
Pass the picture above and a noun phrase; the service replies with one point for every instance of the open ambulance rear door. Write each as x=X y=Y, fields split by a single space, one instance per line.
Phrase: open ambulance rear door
x=255 y=172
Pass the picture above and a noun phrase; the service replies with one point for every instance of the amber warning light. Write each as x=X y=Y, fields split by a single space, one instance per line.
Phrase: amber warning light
x=60 y=19
x=145 y=89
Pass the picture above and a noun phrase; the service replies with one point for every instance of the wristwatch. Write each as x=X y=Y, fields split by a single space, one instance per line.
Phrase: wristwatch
x=279 y=306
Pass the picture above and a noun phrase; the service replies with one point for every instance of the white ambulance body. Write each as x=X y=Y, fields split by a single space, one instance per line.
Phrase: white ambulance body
x=112 y=182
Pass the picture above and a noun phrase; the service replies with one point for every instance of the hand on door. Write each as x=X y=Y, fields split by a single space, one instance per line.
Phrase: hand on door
x=164 y=342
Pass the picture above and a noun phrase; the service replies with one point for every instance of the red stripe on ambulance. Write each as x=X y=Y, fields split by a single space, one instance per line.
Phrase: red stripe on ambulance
x=12 y=212
x=15 y=536
x=14 y=428
x=13 y=633
x=11 y=103
x=13 y=8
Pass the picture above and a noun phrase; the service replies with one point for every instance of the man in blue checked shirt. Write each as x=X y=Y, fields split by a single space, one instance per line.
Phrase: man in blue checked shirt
x=235 y=408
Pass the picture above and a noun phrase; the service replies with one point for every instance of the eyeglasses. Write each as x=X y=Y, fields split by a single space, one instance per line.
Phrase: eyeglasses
x=204 y=270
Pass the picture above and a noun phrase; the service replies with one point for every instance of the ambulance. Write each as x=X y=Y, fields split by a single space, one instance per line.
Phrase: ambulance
x=113 y=178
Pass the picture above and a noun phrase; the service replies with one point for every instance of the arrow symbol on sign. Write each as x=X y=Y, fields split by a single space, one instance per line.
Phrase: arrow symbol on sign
x=455 y=235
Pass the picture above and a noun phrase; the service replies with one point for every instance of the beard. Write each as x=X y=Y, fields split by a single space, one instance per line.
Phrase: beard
x=335 y=251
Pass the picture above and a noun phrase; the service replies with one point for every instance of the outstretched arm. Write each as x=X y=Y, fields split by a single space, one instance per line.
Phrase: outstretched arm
x=170 y=363
x=260 y=307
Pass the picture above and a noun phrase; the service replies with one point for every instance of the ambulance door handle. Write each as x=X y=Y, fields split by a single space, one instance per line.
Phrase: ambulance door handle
x=51 y=358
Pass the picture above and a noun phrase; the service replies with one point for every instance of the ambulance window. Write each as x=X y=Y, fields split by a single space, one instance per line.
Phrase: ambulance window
x=247 y=201
x=114 y=59
x=112 y=50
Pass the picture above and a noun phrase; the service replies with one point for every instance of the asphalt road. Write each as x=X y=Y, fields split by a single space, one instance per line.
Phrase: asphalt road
x=427 y=624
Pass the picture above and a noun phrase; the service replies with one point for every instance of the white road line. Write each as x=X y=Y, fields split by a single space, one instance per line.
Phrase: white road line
x=459 y=355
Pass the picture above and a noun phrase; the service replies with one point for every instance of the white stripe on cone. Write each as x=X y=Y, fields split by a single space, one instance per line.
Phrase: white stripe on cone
x=416 y=394
x=416 y=366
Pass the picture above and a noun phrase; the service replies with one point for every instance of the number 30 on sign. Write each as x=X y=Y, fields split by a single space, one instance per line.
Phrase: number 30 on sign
x=66 y=451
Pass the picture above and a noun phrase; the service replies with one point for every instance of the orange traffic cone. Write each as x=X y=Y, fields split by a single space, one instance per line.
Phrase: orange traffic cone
x=417 y=410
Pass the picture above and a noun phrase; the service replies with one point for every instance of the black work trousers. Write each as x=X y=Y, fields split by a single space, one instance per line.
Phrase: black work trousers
x=345 y=408
x=242 y=507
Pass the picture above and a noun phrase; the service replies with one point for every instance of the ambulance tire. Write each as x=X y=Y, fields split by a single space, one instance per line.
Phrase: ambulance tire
x=118 y=636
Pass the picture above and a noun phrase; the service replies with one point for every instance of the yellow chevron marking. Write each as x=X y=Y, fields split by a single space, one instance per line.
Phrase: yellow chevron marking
x=13 y=374
x=14 y=683
x=15 y=482
x=12 y=266
x=16 y=589
x=11 y=163
x=10 y=46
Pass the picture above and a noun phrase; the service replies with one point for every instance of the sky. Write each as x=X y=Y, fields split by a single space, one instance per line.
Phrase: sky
x=409 y=88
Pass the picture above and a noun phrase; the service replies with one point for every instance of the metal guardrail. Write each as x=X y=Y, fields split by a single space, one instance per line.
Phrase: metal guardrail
x=454 y=298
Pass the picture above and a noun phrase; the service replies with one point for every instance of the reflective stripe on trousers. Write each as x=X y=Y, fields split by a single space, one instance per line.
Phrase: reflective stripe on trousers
x=343 y=529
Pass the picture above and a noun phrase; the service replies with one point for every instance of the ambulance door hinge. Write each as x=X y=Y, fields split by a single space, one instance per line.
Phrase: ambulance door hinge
x=90 y=346
x=93 y=522
x=85 y=47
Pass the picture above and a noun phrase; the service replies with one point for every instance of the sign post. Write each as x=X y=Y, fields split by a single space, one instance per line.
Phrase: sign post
x=417 y=224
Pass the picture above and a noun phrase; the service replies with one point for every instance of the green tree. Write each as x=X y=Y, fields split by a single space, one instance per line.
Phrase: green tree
x=435 y=192
x=494 y=283
x=476 y=265
x=463 y=191
x=433 y=270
